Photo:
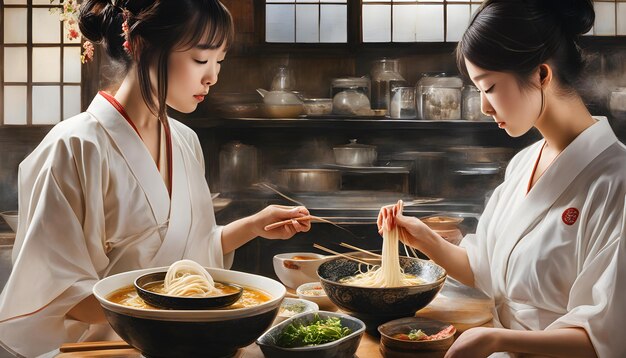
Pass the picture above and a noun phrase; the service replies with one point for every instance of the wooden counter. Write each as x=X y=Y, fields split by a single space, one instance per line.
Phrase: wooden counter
x=462 y=306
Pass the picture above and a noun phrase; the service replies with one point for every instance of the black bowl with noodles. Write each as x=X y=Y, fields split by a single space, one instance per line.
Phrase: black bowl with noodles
x=143 y=283
x=378 y=305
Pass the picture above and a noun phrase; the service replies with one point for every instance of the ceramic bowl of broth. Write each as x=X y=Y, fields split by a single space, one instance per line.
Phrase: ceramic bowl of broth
x=296 y=268
x=376 y=305
x=190 y=333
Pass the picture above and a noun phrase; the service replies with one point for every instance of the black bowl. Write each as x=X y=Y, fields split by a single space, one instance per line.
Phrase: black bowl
x=378 y=305
x=182 y=303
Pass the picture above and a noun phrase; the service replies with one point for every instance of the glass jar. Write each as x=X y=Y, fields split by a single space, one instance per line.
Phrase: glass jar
x=471 y=109
x=361 y=84
x=439 y=97
x=402 y=104
x=351 y=102
x=385 y=76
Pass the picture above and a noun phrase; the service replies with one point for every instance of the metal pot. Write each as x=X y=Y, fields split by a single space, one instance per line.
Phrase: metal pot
x=311 y=179
x=355 y=154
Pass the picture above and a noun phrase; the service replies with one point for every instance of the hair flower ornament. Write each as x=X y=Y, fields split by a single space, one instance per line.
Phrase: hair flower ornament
x=68 y=14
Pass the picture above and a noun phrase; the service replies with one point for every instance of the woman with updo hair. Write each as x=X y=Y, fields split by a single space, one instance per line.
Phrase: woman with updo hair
x=550 y=246
x=121 y=186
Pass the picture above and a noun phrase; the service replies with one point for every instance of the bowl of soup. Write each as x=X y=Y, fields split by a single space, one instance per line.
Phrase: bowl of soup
x=296 y=268
x=376 y=305
x=190 y=333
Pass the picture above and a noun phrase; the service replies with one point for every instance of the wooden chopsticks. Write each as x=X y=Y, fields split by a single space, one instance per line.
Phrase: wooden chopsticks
x=90 y=346
x=360 y=249
x=289 y=221
x=342 y=255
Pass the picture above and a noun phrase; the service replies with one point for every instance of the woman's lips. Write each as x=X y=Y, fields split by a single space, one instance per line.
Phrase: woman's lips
x=200 y=98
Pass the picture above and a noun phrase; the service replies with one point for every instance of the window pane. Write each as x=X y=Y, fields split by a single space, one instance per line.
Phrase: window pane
x=45 y=2
x=46 y=26
x=430 y=23
x=621 y=19
x=71 y=101
x=15 y=64
x=46 y=104
x=458 y=19
x=334 y=23
x=475 y=8
x=279 y=23
x=14 y=104
x=404 y=23
x=376 y=23
x=605 y=18
x=307 y=23
x=341 y=1
x=269 y=1
x=309 y=1
x=71 y=64
x=15 y=26
x=46 y=64
x=15 y=2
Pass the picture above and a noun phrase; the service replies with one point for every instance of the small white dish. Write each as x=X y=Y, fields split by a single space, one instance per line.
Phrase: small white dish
x=294 y=306
x=313 y=291
x=11 y=218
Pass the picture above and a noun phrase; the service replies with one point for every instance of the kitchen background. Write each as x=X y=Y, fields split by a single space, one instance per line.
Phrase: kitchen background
x=437 y=160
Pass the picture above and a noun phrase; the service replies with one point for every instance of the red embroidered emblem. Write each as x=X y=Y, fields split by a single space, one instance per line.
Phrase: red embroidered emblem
x=570 y=216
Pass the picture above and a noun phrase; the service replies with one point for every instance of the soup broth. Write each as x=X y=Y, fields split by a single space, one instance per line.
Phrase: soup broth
x=128 y=296
x=302 y=257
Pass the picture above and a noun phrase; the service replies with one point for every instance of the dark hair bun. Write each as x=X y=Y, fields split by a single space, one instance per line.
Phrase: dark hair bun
x=575 y=16
x=101 y=22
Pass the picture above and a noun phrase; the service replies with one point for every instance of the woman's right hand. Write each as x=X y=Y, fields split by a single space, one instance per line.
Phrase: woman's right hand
x=413 y=231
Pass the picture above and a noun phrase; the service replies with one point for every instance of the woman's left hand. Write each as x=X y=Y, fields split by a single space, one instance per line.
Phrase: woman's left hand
x=276 y=213
x=475 y=343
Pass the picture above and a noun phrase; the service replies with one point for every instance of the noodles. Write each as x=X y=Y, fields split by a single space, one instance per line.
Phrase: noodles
x=389 y=273
x=188 y=279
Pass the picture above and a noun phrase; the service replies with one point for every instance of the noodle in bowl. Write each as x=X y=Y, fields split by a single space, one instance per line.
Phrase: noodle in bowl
x=170 y=333
x=380 y=304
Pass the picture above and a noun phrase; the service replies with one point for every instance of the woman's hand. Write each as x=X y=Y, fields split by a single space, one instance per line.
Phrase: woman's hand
x=413 y=231
x=276 y=213
x=475 y=343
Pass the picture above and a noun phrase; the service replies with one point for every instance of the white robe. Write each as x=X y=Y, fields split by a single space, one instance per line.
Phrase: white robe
x=93 y=203
x=543 y=269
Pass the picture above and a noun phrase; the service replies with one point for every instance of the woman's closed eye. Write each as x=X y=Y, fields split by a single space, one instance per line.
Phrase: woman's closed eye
x=490 y=89
x=201 y=62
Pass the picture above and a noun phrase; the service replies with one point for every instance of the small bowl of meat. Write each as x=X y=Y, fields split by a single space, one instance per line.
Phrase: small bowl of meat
x=416 y=334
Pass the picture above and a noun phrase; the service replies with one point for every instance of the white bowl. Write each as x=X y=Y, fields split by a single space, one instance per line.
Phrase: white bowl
x=11 y=218
x=179 y=333
x=313 y=291
x=294 y=306
x=293 y=273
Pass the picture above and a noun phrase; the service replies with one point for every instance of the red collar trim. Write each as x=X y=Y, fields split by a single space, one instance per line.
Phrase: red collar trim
x=120 y=109
x=168 y=134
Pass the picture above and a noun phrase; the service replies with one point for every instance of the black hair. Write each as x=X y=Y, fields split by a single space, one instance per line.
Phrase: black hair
x=156 y=28
x=516 y=36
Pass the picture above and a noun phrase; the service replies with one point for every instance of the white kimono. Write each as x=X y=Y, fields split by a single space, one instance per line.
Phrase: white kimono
x=93 y=203
x=556 y=257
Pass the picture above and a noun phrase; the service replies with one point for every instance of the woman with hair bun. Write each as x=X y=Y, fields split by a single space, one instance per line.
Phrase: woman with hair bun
x=121 y=186
x=550 y=247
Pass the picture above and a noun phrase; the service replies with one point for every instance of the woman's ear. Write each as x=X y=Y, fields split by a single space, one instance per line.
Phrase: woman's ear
x=545 y=74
